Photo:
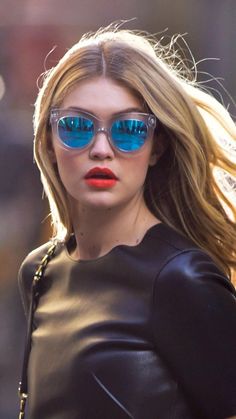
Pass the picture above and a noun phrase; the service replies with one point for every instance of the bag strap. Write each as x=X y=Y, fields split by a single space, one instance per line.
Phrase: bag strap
x=23 y=384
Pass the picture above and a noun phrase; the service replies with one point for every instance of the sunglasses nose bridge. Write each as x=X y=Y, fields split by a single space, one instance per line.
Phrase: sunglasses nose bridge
x=101 y=146
x=102 y=130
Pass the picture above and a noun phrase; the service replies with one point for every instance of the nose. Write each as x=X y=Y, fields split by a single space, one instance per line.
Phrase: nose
x=101 y=148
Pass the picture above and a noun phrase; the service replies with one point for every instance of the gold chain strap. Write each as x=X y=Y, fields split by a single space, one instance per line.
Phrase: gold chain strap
x=39 y=272
x=23 y=398
x=37 y=277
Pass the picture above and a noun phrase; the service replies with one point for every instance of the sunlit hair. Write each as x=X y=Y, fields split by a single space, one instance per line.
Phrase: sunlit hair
x=182 y=189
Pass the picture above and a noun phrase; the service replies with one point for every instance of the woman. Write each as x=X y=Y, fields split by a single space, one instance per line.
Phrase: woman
x=135 y=316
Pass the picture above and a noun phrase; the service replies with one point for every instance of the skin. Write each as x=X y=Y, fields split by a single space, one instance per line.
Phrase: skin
x=104 y=218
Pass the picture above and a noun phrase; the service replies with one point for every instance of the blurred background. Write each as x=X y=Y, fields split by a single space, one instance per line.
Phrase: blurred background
x=29 y=29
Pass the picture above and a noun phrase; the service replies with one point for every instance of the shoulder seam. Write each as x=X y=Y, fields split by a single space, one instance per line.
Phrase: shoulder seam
x=179 y=253
x=174 y=246
x=166 y=262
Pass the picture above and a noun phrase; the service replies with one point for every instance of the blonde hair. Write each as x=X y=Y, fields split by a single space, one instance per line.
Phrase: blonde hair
x=181 y=189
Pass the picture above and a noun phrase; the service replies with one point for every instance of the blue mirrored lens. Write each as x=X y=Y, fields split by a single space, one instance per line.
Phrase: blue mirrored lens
x=75 y=131
x=129 y=135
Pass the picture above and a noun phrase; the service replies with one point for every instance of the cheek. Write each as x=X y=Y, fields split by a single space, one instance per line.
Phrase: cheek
x=63 y=162
x=67 y=167
x=136 y=169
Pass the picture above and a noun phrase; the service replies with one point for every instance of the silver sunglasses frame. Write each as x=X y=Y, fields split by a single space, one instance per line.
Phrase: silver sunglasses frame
x=101 y=125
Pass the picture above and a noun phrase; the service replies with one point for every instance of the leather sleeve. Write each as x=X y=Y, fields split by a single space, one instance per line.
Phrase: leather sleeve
x=194 y=326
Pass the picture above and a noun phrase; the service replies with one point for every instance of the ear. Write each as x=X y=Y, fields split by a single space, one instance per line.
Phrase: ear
x=160 y=144
x=153 y=159
x=51 y=151
x=52 y=155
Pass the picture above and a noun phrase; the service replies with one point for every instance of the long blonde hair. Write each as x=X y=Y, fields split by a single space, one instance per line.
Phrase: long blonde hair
x=182 y=188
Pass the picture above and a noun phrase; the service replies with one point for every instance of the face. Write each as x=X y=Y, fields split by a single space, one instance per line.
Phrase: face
x=103 y=98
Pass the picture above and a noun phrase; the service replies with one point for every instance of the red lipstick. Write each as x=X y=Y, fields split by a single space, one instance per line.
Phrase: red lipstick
x=100 y=178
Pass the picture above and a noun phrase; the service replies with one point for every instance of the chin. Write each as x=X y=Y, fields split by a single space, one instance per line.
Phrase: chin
x=99 y=205
x=95 y=203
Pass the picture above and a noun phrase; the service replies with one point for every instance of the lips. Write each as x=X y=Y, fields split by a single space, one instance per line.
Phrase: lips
x=100 y=173
x=101 y=178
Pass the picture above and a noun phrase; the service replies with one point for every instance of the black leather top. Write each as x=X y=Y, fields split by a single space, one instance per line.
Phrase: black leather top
x=144 y=332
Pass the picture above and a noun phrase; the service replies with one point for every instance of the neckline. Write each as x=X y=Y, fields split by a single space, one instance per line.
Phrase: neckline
x=113 y=250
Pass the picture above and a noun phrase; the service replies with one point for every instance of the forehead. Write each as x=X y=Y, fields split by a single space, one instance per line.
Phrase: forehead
x=102 y=97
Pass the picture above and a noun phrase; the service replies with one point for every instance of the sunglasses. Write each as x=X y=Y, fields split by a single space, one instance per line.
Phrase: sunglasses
x=126 y=132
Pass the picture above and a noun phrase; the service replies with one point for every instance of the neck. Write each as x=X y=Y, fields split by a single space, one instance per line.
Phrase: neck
x=98 y=230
